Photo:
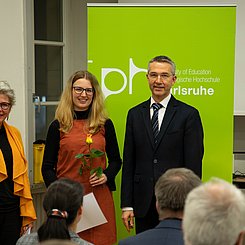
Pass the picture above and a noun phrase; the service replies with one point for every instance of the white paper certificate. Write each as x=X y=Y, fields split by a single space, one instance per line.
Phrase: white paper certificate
x=92 y=215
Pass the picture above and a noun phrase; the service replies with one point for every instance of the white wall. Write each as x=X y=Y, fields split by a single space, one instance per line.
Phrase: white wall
x=13 y=56
x=12 y=60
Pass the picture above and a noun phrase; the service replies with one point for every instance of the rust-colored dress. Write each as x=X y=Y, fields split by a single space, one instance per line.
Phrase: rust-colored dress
x=71 y=144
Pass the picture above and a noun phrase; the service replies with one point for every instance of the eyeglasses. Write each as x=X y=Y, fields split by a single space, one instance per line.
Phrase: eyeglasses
x=163 y=76
x=5 y=105
x=79 y=90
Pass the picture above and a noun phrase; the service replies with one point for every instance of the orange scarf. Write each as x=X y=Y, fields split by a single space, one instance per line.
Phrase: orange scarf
x=20 y=174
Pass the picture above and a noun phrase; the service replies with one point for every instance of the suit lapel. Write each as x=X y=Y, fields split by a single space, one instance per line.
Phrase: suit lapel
x=145 y=109
x=168 y=116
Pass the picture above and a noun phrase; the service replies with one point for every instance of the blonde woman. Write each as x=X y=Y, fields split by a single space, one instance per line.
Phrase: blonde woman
x=81 y=124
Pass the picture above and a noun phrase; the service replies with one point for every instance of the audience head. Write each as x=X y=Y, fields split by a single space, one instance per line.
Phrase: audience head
x=172 y=188
x=214 y=214
x=62 y=204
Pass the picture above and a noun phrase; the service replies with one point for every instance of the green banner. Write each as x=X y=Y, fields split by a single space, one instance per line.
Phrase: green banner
x=201 y=41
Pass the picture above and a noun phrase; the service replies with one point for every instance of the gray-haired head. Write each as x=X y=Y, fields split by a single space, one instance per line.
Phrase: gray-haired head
x=8 y=91
x=163 y=59
x=214 y=214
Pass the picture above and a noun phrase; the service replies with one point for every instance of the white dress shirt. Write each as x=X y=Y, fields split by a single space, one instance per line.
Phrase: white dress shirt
x=162 y=110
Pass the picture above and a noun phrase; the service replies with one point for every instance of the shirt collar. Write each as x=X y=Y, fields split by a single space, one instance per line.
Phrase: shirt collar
x=164 y=102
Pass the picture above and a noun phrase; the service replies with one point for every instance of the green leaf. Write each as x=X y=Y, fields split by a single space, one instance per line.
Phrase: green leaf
x=92 y=171
x=98 y=171
x=79 y=155
x=85 y=163
x=82 y=155
x=96 y=153
x=87 y=155
x=81 y=170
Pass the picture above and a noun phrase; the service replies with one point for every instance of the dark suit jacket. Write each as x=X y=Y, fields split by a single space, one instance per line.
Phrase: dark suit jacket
x=180 y=144
x=168 y=232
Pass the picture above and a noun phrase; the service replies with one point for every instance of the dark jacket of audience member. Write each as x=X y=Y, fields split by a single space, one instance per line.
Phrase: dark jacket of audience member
x=171 y=190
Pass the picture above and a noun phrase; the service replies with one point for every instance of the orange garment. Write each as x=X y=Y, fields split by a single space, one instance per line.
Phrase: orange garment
x=20 y=174
x=71 y=144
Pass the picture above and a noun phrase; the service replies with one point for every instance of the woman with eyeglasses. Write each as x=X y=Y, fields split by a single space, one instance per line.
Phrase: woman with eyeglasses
x=80 y=140
x=16 y=207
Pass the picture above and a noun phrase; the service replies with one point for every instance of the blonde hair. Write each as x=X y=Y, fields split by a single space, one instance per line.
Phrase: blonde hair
x=65 y=111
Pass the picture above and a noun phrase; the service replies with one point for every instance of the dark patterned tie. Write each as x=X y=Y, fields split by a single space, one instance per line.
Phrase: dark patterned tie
x=154 y=120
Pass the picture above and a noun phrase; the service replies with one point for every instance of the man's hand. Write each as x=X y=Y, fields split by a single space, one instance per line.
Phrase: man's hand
x=128 y=219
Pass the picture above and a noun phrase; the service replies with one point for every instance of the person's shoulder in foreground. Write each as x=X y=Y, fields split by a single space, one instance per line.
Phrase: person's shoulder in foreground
x=29 y=239
x=57 y=242
x=168 y=232
x=214 y=214
x=32 y=239
x=75 y=238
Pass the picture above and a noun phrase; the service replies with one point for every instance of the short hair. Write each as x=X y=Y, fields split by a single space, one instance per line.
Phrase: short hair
x=64 y=196
x=214 y=214
x=163 y=59
x=8 y=91
x=173 y=186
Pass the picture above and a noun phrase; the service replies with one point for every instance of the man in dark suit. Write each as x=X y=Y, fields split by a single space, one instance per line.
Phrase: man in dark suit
x=171 y=191
x=161 y=133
